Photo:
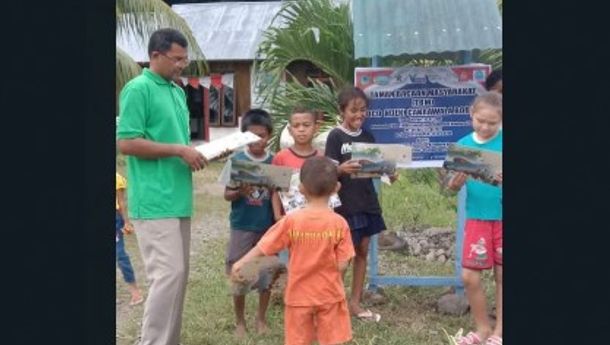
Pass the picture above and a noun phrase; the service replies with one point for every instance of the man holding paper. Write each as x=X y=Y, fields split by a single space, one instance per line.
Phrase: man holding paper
x=153 y=132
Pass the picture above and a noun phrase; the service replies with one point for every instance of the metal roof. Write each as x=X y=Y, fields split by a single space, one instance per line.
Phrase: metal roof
x=396 y=27
x=233 y=30
x=224 y=31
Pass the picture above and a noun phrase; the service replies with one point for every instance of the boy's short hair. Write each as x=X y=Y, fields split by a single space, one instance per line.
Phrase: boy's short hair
x=493 y=78
x=256 y=117
x=319 y=176
x=299 y=109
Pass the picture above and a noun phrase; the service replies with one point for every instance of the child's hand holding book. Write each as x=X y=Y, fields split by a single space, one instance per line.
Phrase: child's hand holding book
x=226 y=153
x=457 y=181
x=390 y=179
x=236 y=275
x=245 y=190
x=394 y=177
x=349 y=167
x=499 y=177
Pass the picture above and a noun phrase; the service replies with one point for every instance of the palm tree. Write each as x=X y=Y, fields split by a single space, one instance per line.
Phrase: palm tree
x=126 y=69
x=312 y=30
x=139 y=19
x=320 y=32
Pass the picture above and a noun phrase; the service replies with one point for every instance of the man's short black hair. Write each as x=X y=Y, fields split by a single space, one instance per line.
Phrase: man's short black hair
x=319 y=176
x=493 y=78
x=162 y=39
x=257 y=117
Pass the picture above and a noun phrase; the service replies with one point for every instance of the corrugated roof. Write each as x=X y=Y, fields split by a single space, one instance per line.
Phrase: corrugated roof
x=396 y=27
x=229 y=30
x=224 y=31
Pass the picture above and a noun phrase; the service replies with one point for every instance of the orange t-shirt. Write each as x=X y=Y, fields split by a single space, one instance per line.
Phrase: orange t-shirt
x=288 y=158
x=317 y=239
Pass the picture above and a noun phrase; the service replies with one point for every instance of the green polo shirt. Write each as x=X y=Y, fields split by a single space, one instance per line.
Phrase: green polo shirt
x=155 y=109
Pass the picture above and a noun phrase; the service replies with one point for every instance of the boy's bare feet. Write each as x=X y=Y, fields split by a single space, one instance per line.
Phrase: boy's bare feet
x=136 y=296
x=363 y=314
x=240 y=330
x=355 y=308
x=261 y=326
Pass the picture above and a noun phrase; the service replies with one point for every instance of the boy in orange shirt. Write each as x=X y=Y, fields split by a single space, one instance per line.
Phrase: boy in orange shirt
x=321 y=248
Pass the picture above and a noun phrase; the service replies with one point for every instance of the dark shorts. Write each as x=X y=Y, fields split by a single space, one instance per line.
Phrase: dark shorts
x=240 y=243
x=365 y=225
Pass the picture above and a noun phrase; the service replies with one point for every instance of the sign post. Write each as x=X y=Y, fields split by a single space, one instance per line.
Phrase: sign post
x=428 y=109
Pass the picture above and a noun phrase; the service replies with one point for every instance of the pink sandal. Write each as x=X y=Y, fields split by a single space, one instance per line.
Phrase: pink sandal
x=494 y=340
x=470 y=339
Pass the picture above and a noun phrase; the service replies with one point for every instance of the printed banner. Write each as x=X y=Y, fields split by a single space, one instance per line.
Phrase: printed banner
x=426 y=108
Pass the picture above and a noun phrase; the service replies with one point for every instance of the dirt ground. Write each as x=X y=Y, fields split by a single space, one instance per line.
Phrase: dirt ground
x=205 y=226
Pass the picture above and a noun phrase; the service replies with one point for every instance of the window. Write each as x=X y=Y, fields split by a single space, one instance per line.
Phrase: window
x=214 y=105
x=229 y=118
x=220 y=101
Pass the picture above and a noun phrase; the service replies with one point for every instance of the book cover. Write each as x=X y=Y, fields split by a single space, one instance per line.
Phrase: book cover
x=232 y=142
x=379 y=159
x=251 y=271
x=482 y=165
x=274 y=177
x=293 y=200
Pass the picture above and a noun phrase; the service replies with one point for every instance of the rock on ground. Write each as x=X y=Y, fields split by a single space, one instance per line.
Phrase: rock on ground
x=453 y=304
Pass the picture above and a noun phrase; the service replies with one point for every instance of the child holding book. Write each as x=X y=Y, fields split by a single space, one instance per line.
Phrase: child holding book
x=320 y=248
x=360 y=206
x=483 y=230
x=251 y=215
x=302 y=126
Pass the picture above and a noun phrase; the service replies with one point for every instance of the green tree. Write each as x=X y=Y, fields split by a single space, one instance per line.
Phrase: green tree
x=312 y=30
x=320 y=32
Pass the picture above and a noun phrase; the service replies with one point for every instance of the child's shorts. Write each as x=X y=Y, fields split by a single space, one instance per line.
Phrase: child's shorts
x=365 y=225
x=482 y=244
x=240 y=243
x=328 y=324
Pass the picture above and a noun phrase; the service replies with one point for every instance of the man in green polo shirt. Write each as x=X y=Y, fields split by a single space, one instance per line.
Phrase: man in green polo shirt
x=154 y=133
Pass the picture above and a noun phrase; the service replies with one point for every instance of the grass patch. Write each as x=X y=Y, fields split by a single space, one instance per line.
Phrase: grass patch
x=409 y=316
x=415 y=201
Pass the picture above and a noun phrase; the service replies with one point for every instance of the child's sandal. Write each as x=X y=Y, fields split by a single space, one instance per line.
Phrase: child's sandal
x=494 y=340
x=368 y=316
x=469 y=339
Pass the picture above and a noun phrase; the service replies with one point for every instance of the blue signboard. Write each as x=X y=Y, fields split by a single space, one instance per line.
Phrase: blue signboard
x=425 y=108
